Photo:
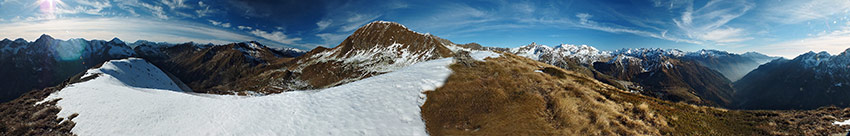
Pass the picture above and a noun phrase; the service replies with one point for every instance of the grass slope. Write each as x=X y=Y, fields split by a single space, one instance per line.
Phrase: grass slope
x=513 y=95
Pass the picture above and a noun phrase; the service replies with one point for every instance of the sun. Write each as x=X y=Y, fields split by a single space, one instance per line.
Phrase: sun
x=49 y=7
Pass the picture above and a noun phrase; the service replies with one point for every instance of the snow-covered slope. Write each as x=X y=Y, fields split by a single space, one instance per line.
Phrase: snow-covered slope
x=132 y=97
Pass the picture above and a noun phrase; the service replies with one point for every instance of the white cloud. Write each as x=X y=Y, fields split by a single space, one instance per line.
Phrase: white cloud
x=217 y=23
x=127 y=29
x=323 y=24
x=276 y=36
x=725 y=35
x=524 y=7
x=797 y=11
x=157 y=11
x=397 y=5
x=583 y=17
x=175 y=4
x=204 y=10
x=214 y=22
x=245 y=27
x=357 y=20
x=85 y=7
x=132 y=5
x=330 y=39
x=834 y=43
x=705 y=22
x=585 y=22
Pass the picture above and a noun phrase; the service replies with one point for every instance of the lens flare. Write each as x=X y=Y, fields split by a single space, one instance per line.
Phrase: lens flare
x=49 y=7
x=71 y=50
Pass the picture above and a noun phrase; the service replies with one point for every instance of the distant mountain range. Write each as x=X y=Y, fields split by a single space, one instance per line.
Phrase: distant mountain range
x=701 y=77
x=47 y=61
x=732 y=66
x=808 y=81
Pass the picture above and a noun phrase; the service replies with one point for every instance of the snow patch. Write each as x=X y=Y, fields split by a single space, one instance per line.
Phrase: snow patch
x=841 y=123
x=481 y=55
x=375 y=59
x=386 y=104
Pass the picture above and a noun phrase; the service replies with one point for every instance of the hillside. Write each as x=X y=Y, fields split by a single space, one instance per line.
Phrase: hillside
x=485 y=98
x=665 y=74
x=808 y=81
x=217 y=69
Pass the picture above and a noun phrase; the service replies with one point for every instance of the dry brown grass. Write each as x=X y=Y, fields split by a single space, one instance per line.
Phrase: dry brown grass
x=505 y=96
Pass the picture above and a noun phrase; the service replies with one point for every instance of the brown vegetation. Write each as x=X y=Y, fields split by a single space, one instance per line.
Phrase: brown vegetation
x=512 y=95
x=506 y=96
x=23 y=117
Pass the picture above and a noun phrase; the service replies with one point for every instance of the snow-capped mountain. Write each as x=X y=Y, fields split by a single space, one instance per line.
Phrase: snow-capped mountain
x=808 y=81
x=376 y=48
x=47 y=61
x=666 y=74
x=669 y=74
x=582 y=53
x=733 y=66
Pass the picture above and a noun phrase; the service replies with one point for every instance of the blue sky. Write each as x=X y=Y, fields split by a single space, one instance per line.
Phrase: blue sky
x=775 y=27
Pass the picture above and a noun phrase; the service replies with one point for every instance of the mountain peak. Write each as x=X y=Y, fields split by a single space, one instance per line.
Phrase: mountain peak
x=20 y=40
x=116 y=41
x=381 y=22
x=384 y=26
x=254 y=45
x=812 y=59
x=45 y=37
x=752 y=53
x=384 y=34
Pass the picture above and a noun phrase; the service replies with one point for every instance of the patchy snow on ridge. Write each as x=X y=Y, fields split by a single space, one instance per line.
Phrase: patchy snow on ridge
x=841 y=123
x=133 y=97
x=481 y=55
x=375 y=59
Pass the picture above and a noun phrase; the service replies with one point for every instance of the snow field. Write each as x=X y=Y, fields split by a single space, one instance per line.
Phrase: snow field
x=133 y=97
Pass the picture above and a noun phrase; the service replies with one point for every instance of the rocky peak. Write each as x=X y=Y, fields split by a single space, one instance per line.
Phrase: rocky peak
x=842 y=59
x=20 y=40
x=812 y=59
x=254 y=45
x=382 y=38
x=116 y=41
x=751 y=53
x=44 y=38
x=845 y=54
